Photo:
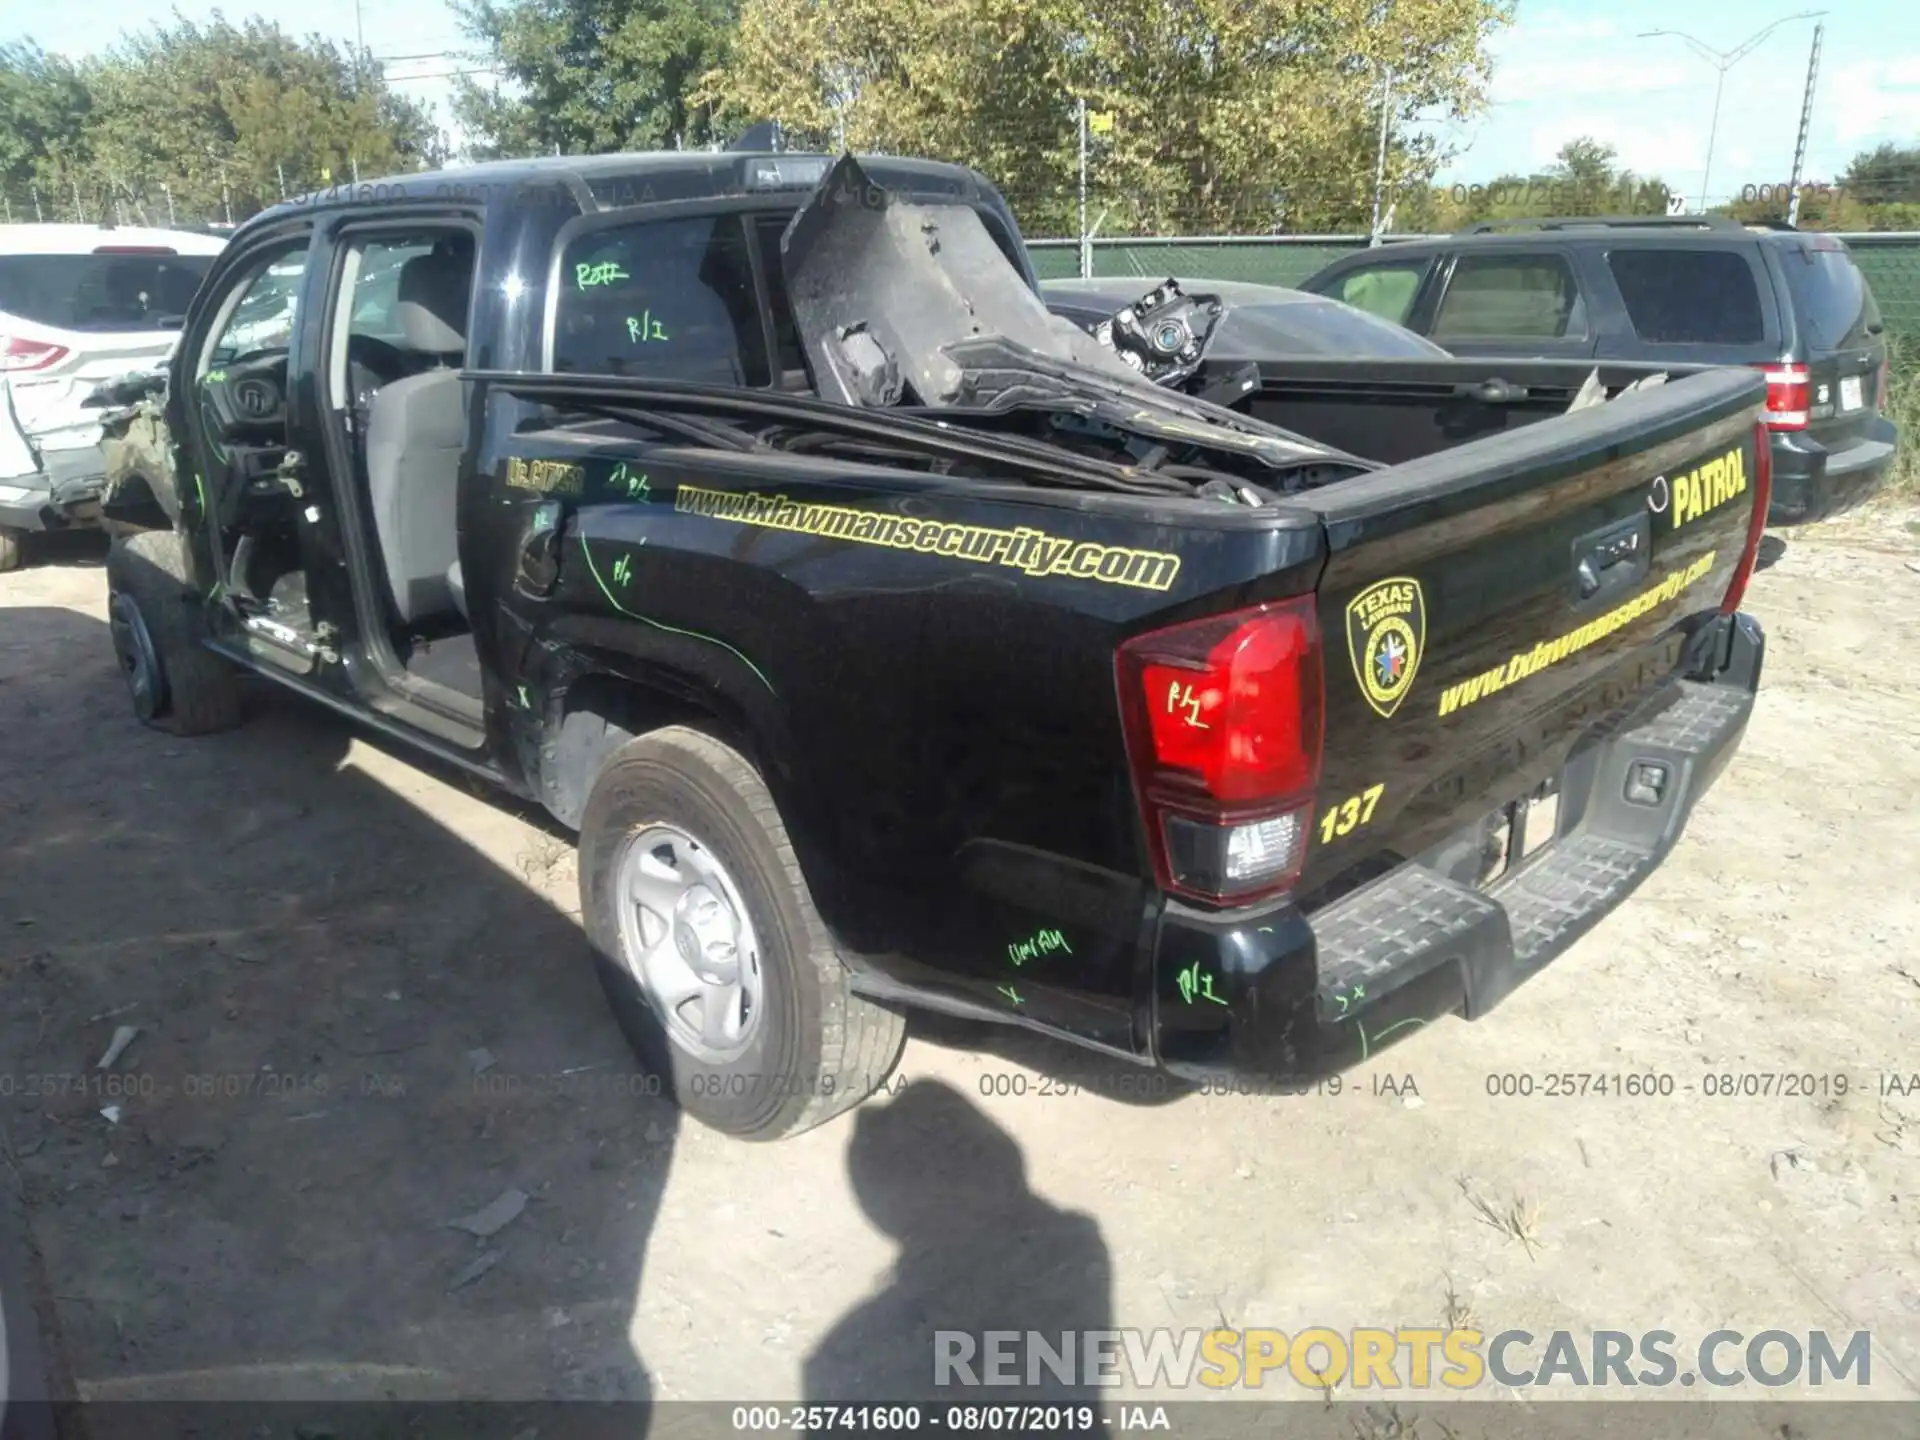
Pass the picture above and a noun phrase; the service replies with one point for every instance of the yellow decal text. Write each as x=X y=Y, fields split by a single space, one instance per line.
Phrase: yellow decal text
x=1349 y=814
x=1033 y=552
x=1552 y=652
x=548 y=477
x=1708 y=487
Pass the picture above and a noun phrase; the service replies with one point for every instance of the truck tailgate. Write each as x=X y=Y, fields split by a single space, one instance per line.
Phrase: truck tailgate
x=1485 y=606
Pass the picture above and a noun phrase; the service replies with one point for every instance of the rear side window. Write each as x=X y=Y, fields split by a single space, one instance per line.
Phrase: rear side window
x=1689 y=297
x=1530 y=296
x=1831 y=296
x=1383 y=290
x=671 y=299
x=101 y=293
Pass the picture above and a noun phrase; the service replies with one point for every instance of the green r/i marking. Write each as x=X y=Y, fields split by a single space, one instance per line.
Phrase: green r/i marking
x=643 y=327
x=623 y=571
x=525 y=704
x=1012 y=994
x=1196 y=984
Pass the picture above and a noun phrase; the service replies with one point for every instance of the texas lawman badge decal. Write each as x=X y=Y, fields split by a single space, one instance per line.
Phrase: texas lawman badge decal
x=1386 y=633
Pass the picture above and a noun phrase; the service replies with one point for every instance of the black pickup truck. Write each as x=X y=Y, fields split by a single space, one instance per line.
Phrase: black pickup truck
x=890 y=642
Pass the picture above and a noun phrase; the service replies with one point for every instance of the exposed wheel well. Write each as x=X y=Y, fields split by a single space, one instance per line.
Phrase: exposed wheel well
x=601 y=712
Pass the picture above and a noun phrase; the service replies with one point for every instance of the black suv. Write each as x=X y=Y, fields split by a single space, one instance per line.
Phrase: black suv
x=1678 y=290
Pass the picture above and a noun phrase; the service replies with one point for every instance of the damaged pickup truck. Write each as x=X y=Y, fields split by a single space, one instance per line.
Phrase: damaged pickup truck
x=890 y=642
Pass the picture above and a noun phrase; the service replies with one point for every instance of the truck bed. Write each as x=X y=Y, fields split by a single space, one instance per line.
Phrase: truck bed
x=927 y=664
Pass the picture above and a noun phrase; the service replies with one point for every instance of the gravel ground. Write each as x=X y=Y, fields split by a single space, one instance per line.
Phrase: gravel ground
x=365 y=1010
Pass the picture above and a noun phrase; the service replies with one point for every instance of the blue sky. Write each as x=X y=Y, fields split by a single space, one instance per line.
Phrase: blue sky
x=1560 y=71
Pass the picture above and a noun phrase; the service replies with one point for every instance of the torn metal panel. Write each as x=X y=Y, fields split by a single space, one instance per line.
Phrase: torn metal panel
x=136 y=447
x=881 y=286
x=903 y=302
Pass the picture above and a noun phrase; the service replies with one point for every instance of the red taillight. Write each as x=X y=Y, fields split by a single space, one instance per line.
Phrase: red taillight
x=1789 y=396
x=17 y=354
x=1880 y=387
x=1223 y=720
x=1756 y=523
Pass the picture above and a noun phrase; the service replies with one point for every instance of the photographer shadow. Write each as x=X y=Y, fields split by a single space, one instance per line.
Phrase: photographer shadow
x=979 y=1252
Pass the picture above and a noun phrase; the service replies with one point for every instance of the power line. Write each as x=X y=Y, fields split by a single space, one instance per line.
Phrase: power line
x=448 y=54
x=445 y=74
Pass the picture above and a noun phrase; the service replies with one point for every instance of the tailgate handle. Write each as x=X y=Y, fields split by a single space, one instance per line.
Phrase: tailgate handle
x=1612 y=559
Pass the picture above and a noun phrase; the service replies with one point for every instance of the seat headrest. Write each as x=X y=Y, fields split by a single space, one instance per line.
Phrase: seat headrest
x=432 y=306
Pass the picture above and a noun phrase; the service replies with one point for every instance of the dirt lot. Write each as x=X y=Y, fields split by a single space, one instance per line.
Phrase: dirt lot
x=313 y=938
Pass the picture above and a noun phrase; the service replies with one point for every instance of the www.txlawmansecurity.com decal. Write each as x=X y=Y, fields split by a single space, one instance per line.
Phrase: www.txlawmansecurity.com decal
x=1386 y=632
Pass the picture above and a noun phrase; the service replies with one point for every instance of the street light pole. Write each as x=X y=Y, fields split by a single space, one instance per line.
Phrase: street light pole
x=1723 y=61
x=1713 y=131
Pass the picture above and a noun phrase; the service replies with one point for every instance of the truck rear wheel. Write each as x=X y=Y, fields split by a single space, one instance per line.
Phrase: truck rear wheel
x=176 y=684
x=716 y=963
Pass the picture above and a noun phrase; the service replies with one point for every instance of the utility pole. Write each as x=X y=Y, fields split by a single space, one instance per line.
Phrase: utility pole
x=1723 y=61
x=169 y=193
x=281 y=171
x=1380 y=159
x=359 y=47
x=1086 y=240
x=1806 y=119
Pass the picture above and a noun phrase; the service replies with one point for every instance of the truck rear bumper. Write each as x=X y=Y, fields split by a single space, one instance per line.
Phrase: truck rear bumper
x=1288 y=998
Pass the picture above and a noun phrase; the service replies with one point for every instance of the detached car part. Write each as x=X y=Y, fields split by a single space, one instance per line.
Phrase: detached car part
x=1164 y=333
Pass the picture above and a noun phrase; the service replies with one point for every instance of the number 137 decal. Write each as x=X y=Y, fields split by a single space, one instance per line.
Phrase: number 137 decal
x=1346 y=816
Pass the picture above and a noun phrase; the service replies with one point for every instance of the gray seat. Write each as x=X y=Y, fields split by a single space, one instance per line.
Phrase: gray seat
x=416 y=431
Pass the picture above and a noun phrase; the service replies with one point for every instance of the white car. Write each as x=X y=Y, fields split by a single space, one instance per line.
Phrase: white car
x=79 y=304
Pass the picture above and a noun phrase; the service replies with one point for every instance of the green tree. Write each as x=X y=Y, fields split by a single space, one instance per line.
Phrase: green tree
x=1247 y=115
x=44 y=109
x=590 y=76
x=1584 y=179
x=221 y=116
x=1886 y=175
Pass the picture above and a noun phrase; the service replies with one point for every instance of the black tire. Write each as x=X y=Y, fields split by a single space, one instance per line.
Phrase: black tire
x=819 y=1049
x=177 y=685
x=13 y=549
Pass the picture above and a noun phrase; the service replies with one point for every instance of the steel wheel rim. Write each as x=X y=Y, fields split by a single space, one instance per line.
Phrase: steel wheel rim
x=139 y=661
x=689 y=944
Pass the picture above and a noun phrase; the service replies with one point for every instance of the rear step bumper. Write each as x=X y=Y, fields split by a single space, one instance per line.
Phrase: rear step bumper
x=1296 y=998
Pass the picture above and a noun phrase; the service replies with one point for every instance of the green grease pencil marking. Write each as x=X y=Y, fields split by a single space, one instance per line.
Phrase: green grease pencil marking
x=594 y=570
x=1397 y=1025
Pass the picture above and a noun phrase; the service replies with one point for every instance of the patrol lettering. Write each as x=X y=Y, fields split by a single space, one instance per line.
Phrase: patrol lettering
x=1708 y=487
